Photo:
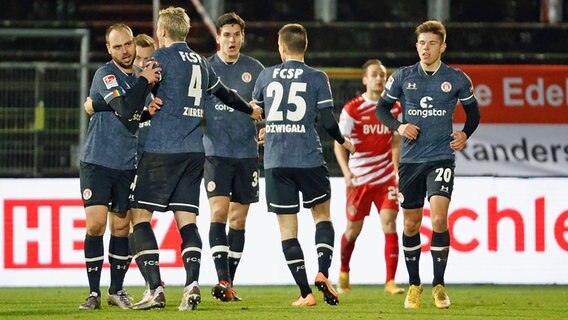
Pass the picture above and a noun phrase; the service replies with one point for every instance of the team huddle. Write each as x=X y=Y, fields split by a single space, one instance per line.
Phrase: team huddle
x=162 y=121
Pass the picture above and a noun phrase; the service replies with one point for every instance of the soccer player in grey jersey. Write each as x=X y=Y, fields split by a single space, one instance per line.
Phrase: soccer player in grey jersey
x=171 y=169
x=108 y=162
x=428 y=92
x=294 y=95
x=231 y=169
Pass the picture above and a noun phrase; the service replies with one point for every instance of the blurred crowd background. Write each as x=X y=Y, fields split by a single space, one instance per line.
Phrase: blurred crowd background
x=49 y=50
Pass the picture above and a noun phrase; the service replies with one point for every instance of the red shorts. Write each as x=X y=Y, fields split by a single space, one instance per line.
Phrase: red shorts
x=359 y=199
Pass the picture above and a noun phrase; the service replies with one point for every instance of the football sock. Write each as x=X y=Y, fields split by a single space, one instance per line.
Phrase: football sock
x=134 y=254
x=440 y=249
x=346 y=252
x=236 y=245
x=295 y=260
x=219 y=250
x=391 y=254
x=148 y=253
x=411 y=247
x=94 y=257
x=325 y=237
x=191 y=252
x=118 y=259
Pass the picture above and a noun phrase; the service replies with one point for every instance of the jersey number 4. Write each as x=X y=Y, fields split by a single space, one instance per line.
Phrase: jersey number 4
x=194 y=90
x=275 y=90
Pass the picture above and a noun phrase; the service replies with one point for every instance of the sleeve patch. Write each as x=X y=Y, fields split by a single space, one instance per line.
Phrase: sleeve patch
x=118 y=92
x=110 y=81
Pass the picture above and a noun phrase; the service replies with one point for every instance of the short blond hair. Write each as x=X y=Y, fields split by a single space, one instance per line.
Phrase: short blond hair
x=143 y=40
x=175 y=21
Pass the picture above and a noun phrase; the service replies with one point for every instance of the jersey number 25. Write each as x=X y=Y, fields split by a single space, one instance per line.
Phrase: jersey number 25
x=275 y=90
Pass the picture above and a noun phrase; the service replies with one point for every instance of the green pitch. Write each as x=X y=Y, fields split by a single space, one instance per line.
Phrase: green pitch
x=273 y=302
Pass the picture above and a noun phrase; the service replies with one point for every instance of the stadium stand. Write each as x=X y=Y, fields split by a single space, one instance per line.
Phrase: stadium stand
x=509 y=33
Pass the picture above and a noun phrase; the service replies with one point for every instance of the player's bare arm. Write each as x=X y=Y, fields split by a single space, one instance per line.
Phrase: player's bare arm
x=342 y=156
x=348 y=145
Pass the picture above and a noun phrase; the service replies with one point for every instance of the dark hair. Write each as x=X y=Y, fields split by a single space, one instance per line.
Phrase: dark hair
x=295 y=37
x=432 y=26
x=229 y=18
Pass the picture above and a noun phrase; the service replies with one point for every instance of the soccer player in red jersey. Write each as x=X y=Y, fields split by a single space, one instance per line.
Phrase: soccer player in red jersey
x=370 y=173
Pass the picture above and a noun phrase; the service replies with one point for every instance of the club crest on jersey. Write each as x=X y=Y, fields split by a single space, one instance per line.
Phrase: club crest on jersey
x=87 y=194
x=446 y=86
x=211 y=186
x=400 y=197
x=110 y=81
x=246 y=77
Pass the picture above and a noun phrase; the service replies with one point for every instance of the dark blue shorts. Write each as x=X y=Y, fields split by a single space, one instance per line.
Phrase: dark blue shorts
x=418 y=180
x=232 y=177
x=105 y=186
x=283 y=186
x=167 y=182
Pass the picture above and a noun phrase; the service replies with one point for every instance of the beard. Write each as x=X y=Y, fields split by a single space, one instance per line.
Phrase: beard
x=122 y=64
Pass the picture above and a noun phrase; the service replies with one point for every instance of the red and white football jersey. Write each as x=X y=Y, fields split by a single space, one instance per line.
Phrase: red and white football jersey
x=372 y=163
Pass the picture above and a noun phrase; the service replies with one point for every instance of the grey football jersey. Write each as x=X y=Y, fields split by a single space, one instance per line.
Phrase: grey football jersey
x=108 y=142
x=230 y=133
x=429 y=101
x=187 y=78
x=291 y=94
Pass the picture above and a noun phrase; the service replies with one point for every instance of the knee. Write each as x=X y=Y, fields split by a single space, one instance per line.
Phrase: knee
x=411 y=226
x=120 y=225
x=439 y=223
x=352 y=234
x=238 y=221
x=389 y=226
x=96 y=228
x=218 y=215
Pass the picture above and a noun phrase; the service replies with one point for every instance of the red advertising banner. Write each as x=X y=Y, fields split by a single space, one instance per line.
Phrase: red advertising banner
x=519 y=94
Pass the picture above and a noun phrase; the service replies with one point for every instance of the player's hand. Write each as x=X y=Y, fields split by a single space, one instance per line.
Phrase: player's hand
x=459 y=138
x=261 y=136
x=256 y=111
x=409 y=131
x=152 y=72
x=155 y=105
x=348 y=145
x=349 y=180
x=88 y=106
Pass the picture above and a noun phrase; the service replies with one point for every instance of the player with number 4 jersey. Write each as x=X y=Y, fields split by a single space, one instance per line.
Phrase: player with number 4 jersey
x=171 y=168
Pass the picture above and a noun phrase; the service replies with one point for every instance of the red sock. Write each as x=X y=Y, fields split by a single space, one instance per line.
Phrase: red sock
x=391 y=254
x=346 y=252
